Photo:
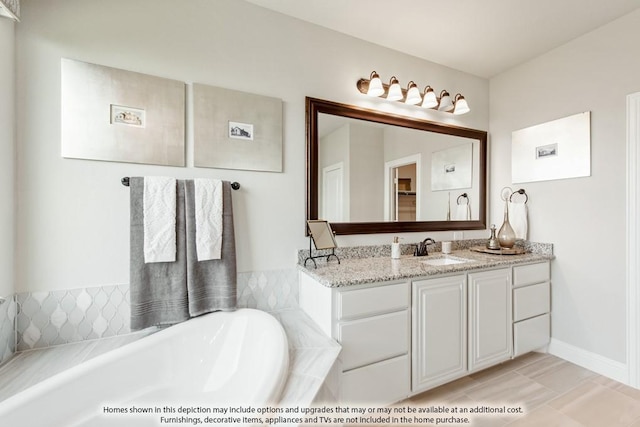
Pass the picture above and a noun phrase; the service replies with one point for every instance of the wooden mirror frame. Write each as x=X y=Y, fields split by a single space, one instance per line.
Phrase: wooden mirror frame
x=316 y=106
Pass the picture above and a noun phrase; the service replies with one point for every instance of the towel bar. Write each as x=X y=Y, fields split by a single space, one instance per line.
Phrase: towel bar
x=507 y=193
x=125 y=182
x=520 y=191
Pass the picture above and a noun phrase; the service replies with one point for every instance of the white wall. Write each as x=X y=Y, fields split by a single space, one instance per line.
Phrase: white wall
x=366 y=173
x=73 y=214
x=583 y=217
x=7 y=156
x=333 y=149
x=433 y=203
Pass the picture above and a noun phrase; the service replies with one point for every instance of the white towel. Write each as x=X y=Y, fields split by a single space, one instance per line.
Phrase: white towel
x=159 y=207
x=463 y=212
x=518 y=219
x=208 y=213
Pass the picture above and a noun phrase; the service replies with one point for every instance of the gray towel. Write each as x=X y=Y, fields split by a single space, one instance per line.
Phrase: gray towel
x=158 y=290
x=211 y=284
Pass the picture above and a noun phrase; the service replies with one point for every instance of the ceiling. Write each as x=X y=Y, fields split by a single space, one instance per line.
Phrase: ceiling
x=480 y=37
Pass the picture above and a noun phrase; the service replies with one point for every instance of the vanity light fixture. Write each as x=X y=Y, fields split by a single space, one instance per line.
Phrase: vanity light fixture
x=446 y=104
x=413 y=94
x=375 y=85
x=461 y=105
x=393 y=92
x=430 y=100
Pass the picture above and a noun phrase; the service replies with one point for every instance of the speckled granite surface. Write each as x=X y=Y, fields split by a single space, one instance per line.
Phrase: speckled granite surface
x=375 y=251
x=354 y=270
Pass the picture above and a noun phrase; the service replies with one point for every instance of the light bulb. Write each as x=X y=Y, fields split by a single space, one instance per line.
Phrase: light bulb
x=395 y=91
x=446 y=104
x=429 y=100
x=375 y=85
x=413 y=94
x=461 y=105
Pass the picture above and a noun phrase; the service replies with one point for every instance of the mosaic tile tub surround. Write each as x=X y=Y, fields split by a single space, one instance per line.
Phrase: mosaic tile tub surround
x=7 y=329
x=46 y=319
x=50 y=318
x=268 y=290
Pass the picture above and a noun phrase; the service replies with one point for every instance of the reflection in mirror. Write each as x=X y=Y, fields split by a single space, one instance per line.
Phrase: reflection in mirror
x=373 y=172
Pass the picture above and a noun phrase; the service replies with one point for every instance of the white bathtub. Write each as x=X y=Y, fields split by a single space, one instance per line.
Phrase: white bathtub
x=217 y=360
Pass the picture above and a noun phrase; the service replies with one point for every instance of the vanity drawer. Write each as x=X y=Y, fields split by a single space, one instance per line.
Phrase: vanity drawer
x=530 y=301
x=381 y=383
x=530 y=334
x=370 y=301
x=532 y=273
x=373 y=339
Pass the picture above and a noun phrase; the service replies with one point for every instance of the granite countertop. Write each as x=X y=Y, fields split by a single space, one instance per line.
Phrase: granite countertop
x=358 y=271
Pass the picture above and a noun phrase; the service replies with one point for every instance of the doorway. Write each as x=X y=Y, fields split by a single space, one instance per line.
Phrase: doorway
x=633 y=239
x=332 y=208
x=402 y=189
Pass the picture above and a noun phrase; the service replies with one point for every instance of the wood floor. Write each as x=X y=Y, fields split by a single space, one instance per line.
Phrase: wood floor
x=551 y=391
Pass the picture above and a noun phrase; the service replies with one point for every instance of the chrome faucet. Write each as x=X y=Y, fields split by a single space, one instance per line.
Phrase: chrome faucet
x=421 y=248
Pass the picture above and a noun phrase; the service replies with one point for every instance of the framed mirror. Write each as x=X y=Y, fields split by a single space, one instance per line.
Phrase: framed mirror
x=374 y=172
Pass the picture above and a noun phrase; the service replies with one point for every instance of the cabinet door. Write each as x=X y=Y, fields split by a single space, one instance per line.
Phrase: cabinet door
x=439 y=332
x=490 y=330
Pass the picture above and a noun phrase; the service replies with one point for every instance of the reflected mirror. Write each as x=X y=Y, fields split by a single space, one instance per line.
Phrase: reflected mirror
x=373 y=172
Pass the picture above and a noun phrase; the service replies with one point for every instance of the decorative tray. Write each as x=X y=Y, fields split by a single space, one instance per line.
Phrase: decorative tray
x=501 y=251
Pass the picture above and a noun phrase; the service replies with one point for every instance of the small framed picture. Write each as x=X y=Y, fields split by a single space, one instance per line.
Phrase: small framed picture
x=130 y=116
x=546 y=151
x=450 y=168
x=239 y=130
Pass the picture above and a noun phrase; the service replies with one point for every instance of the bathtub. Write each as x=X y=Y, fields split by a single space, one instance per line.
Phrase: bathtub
x=219 y=360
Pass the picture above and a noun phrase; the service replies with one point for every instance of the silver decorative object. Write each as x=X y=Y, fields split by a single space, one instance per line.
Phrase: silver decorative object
x=236 y=130
x=10 y=9
x=121 y=116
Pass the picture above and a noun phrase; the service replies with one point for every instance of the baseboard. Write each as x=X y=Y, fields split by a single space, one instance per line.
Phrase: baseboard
x=594 y=362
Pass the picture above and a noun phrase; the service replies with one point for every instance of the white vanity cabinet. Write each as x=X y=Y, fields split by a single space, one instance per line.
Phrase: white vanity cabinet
x=439 y=331
x=490 y=327
x=403 y=337
x=460 y=324
x=531 y=307
x=372 y=324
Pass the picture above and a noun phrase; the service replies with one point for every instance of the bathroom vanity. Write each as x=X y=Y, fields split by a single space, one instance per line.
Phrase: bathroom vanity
x=406 y=326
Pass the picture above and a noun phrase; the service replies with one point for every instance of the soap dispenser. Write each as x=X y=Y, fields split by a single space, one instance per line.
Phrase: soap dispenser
x=493 y=242
x=395 y=248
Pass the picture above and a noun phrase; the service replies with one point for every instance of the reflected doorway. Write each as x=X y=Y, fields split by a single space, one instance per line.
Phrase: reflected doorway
x=402 y=189
x=332 y=208
x=405 y=200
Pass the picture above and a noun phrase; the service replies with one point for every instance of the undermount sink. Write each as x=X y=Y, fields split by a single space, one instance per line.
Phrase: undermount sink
x=446 y=260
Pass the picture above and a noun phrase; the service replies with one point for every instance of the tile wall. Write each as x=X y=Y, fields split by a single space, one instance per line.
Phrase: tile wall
x=7 y=329
x=59 y=317
x=46 y=319
x=268 y=290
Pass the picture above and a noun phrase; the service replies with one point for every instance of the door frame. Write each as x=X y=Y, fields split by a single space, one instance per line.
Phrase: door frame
x=334 y=167
x=389 y=177
x=633 y=239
